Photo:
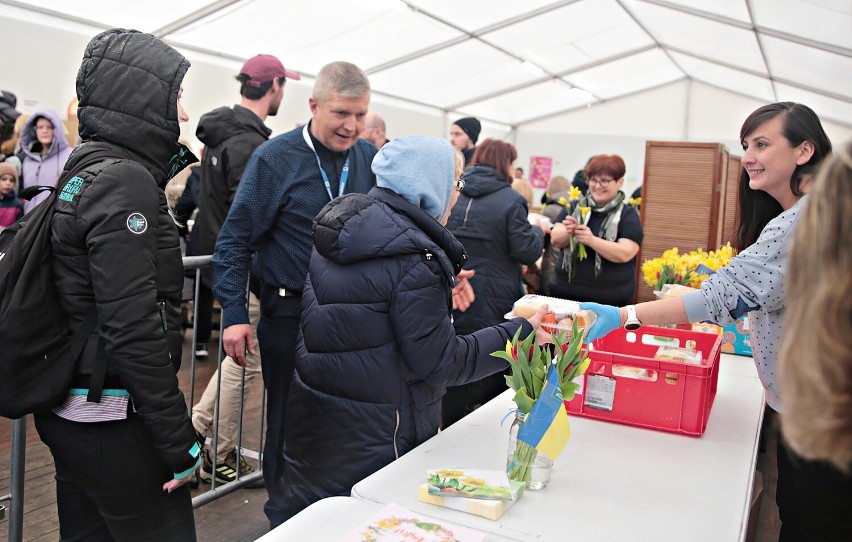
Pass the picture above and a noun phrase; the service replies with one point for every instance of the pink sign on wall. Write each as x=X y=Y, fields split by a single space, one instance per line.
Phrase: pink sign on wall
x=540 y=169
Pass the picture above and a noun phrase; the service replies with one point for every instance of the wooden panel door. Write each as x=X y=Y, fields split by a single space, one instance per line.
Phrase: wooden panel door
x=681 y=200
x=730 y=215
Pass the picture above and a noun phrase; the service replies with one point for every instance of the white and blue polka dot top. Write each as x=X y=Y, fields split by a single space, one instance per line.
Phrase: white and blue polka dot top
x=753 y=282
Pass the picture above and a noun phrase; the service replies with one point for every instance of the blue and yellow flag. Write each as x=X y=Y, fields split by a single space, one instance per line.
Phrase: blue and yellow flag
x=546 y=427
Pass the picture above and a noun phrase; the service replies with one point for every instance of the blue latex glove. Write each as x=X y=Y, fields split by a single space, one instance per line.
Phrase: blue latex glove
x=607 y=320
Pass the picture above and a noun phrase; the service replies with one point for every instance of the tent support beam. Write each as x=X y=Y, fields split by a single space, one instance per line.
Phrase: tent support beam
x=466 y=35
x=578 y=107
x=752 y=26
x=559 y=75
x=839 y=97
x=197 y=15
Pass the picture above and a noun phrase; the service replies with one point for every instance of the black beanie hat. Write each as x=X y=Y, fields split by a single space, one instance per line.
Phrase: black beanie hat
x=470 y=126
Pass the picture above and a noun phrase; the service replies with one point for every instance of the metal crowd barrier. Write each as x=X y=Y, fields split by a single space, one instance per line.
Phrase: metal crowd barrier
x=15 y=497
x=220 y=490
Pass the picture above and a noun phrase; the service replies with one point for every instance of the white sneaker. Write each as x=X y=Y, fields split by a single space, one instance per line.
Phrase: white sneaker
x=201 y=350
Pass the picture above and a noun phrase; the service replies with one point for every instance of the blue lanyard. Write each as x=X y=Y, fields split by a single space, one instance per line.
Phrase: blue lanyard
x=344 y=176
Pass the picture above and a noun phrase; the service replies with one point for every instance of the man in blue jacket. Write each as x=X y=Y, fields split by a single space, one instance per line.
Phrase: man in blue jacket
x=286 y=183
x=231 y=135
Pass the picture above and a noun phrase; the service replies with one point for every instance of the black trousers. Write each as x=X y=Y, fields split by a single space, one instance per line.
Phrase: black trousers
x=204 y=324
x=109 y=483
x=277 y=333
x=814 y=499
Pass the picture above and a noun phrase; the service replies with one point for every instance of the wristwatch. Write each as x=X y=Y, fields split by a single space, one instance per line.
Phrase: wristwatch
x=632 y=323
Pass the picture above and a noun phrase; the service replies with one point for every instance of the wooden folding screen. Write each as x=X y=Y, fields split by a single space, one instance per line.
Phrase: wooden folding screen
x=682 y=200
x=731 y=200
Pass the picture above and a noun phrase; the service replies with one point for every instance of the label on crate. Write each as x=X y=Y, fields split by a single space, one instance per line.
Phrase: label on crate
x=600 y=392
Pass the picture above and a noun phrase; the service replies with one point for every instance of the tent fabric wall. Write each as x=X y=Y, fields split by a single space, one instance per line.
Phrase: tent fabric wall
x=48 y=38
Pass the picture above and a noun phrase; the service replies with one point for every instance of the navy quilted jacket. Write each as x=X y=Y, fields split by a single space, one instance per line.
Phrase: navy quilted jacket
x=378 y=346
x=490 y=219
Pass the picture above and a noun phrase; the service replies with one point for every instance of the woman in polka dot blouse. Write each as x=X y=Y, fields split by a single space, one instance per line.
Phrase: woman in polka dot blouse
x=783 y=143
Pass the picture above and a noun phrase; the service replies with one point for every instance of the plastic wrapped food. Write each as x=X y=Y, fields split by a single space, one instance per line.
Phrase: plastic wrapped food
x=560 y=315
x=681 y=355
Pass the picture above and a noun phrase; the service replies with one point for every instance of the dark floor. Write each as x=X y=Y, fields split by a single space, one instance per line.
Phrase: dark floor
x=238 y=517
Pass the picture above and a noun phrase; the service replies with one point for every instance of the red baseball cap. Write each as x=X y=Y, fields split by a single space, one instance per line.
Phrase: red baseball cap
x=264 y=68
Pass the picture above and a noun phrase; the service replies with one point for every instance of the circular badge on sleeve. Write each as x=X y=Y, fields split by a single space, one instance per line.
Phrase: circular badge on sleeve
x=137 y=223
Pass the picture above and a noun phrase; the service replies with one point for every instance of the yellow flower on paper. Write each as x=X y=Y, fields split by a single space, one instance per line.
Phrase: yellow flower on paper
x=471 y=481
x=450 y=473
x=388 y=523
x=575 y=193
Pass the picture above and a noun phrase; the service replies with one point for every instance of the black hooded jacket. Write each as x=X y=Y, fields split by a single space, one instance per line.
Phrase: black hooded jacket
x=490 y=219
x=230 y=136
x=115 y=244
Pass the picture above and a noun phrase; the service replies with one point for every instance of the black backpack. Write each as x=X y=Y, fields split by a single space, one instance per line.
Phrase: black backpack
x=38 y=351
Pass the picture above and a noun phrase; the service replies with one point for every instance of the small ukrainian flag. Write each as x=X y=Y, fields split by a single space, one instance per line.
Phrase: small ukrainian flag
x=546 y=427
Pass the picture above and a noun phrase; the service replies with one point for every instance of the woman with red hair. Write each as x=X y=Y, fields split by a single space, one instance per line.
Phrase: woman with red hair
x=599 y=235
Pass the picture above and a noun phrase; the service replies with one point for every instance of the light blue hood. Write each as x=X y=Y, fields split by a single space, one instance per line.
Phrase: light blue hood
x=420 y=169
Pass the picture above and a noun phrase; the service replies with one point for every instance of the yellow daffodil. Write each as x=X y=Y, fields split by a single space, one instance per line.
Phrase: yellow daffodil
x=575 y=193
x=585 y=212
x=675 y=268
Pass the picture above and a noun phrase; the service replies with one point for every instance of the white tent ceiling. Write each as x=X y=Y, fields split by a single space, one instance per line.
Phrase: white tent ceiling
x=513 y=61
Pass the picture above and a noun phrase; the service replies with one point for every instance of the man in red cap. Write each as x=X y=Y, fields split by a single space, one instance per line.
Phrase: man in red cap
x=230 y=136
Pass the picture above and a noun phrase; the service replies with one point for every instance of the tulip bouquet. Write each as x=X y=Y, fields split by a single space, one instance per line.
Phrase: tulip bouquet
x=532 y=365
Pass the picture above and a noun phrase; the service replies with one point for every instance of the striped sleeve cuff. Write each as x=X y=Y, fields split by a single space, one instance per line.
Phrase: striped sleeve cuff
x=195 y=452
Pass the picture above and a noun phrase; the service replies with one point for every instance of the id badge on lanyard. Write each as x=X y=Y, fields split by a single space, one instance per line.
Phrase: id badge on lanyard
x=344 y=175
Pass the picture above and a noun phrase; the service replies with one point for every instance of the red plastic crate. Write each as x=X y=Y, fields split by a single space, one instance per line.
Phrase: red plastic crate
x=625 y=384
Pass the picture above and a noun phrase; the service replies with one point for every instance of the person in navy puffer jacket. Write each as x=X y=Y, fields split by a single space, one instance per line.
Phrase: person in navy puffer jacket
x=490 y=219
x=377 y=346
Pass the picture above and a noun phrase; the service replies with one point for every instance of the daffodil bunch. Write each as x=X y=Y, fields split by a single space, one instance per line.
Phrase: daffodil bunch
x=585 y=213
x=530 y=363
x=715 y=260
x=675 y=268
x=635 y=202
x=670 y=268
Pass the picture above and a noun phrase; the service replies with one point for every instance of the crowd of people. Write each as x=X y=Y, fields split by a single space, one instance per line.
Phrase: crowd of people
x=411 y=250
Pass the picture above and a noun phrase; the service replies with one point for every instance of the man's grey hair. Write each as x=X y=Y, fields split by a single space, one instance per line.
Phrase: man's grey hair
x=344 y=78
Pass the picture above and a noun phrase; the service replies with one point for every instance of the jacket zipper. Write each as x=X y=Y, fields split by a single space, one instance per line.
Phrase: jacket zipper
x=395 y=431
x=161 y=305
x=466 y=211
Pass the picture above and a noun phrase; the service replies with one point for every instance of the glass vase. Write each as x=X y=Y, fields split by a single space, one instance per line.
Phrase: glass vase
x=524 y=463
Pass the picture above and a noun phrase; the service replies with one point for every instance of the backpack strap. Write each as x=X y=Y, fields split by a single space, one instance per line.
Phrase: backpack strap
x=30 y=192
x=90 y=322
x=78 y=342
